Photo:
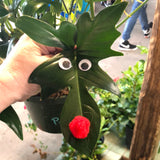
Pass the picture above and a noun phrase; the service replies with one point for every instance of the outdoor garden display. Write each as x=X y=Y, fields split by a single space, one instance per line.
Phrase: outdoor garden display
x=121 y=111
x=146 y=133
x=84 y=42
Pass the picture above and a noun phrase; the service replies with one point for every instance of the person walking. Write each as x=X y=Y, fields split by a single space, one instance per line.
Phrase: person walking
x=142 y=15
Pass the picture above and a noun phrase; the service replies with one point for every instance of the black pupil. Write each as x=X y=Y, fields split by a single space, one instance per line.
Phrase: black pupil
x=84 y=66
x=66 y=64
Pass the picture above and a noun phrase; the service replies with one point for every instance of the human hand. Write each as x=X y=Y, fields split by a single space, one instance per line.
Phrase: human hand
x=16 y=69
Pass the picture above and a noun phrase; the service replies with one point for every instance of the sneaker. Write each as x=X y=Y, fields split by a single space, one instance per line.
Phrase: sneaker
x=150 y=24
x=112 y=1
x=105 y=3
x=147 y=31
x=126 y=46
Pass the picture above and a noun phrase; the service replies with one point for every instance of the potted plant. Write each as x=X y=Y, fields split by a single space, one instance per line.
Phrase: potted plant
x=83 y=43
x=77 y=67
x=130 y=86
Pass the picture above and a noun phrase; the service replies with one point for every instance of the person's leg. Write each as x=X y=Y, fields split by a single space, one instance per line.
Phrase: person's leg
x=108 y=3
x=131 y=21
x=143 y=18
x=144 y=22
x=103 y=3
x=124 y=43
x=112 y=1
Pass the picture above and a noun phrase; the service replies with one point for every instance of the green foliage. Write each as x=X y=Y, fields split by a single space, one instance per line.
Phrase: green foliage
x=46 y=10
x=9 y=11
x=69 y=153
x=144 y=50
x=41 y=147
x=30 y=125
x=10 y=117
x=122 y=110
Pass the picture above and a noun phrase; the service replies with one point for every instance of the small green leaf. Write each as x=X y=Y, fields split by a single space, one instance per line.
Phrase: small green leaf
x=10 y=117
x=3 y=11
x=32 y=7
x=4 y=14
x=41 y=32
x=3 y=50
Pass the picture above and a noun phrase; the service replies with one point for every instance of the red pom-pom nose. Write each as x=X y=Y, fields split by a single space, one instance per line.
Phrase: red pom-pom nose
x=79 y=127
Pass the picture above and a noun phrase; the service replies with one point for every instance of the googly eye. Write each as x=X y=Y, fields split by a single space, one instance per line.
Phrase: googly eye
x=65 y=63
x=85 y=65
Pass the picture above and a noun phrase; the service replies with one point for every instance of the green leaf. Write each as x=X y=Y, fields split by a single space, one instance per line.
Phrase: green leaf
x=67 y=34
x=96 y=37
x=57 y=5
x=3 y=50
x=10 y=117
x=85 y=106
x=32 y=7
x=116 y=2
x=46 y=71
x=40 y=32
x=15 y=4
x=46 y=34
x=41 y=6
x=3 y=11
x=98 y=78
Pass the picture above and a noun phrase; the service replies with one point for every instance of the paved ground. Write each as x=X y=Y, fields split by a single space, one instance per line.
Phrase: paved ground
x=11 y=148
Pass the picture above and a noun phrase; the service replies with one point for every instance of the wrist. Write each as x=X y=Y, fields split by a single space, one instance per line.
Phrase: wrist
x=7 y=95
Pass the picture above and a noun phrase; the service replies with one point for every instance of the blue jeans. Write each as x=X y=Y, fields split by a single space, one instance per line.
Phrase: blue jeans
x=141 y=14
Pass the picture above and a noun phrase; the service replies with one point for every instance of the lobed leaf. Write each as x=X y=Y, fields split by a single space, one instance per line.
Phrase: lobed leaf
x=10 y=117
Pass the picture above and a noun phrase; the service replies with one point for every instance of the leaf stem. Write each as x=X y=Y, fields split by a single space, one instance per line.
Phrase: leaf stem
x=9 y=26
x=65 y=6
x=91 y=9
x=107 y=129
x=75 y=12
x=86 y=7
x=71 y=6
